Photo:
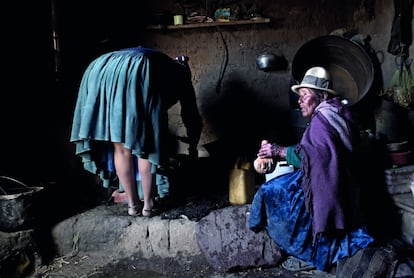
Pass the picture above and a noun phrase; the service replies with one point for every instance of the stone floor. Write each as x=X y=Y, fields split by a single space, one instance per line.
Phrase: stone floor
x=103 y=264
x=99 y=264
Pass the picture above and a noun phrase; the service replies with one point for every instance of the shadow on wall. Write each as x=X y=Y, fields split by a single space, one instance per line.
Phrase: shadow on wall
x=379 y=212
x=243 y=121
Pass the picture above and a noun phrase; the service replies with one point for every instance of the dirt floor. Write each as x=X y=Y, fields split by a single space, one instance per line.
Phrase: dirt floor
x=83 y=267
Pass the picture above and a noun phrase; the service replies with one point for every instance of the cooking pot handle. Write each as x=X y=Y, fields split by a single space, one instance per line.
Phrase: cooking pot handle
x=13 y=180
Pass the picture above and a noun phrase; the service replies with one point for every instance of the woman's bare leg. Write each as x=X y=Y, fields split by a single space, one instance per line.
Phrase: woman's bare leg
x=124 y=166
x=147 y=181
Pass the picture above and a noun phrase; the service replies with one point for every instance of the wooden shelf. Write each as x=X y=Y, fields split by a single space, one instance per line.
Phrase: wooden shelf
x=208 y=24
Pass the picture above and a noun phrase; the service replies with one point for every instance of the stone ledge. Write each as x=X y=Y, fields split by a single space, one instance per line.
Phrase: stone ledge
x=222 y=237
x=228 y=244
x=102 y=229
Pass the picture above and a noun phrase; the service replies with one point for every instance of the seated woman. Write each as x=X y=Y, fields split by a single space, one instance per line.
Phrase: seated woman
x=309 y=212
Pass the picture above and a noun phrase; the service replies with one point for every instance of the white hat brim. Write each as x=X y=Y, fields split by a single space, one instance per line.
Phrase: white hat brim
x=295 y=88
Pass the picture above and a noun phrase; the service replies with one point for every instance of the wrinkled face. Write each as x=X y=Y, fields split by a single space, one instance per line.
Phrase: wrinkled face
x=308 y=100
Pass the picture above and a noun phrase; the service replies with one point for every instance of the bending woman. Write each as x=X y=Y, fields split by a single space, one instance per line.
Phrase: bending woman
x=121 y=117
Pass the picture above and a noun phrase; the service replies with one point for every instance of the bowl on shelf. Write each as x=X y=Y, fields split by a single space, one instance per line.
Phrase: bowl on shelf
x=397 y=146
x=401 y=158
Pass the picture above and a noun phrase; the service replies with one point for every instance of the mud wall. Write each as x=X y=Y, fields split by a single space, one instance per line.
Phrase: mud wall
x=242 y=104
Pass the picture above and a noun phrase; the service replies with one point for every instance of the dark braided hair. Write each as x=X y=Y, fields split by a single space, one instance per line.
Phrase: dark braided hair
x=322 y=93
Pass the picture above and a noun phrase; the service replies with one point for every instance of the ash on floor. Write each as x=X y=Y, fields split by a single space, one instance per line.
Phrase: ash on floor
x=192 y=209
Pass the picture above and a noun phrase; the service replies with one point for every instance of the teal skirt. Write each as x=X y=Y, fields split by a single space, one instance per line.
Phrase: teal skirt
x=117 y=103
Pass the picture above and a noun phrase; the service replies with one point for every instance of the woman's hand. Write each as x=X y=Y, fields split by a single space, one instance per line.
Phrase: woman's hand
x=269 y=150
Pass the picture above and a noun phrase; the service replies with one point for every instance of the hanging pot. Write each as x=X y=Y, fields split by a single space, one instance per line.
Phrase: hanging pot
x=270 y=61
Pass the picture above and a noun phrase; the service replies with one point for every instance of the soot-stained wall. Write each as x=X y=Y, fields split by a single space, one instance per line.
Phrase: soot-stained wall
x=240 y=104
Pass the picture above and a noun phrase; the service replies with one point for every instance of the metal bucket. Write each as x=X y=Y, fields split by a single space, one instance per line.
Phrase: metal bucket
x=17 y=211
x=350 y=66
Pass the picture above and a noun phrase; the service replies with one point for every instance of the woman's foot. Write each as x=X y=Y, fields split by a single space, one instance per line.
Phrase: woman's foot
x=134 y=210
x=295 y=264
x=148 y=211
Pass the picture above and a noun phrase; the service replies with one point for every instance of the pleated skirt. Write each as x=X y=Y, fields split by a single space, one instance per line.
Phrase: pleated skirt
x=116 y=103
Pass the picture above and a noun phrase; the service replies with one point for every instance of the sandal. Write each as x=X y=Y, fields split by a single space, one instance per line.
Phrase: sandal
x=133 y=211
x=149 y=212
x=295 y=264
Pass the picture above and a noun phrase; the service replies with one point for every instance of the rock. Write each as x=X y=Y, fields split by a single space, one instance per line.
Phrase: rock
x=14 y=242
x=228 y=244
x=96 y=229
x=18 y=255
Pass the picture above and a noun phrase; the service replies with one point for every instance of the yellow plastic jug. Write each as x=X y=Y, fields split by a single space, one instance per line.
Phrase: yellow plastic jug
x=242 y=182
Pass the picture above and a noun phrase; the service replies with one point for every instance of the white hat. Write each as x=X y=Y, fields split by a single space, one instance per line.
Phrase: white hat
x=315 y=78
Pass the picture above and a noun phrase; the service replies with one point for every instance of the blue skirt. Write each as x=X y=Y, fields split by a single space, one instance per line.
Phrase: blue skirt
x=279 y=208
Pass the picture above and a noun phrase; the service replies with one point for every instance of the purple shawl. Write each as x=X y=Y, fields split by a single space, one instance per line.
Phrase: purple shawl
x=325 y=146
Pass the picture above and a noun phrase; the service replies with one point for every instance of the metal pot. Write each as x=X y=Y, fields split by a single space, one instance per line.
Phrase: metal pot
x=17 y=204
x=397 y=146
x=270 y=61
x=350 y=65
